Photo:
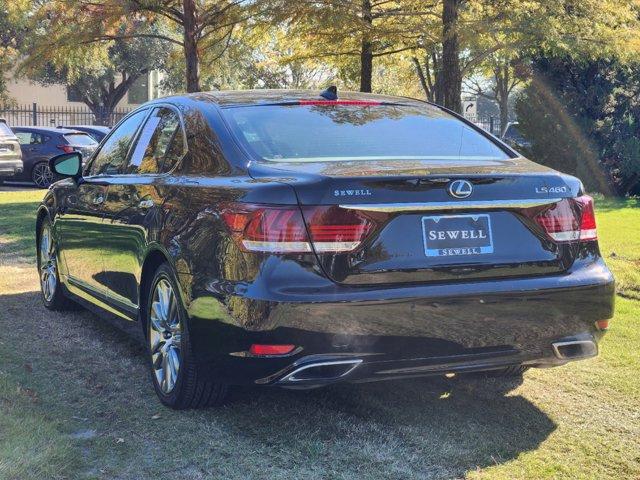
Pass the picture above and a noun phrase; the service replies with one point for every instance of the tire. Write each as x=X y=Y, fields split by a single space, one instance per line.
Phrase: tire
x=174 y=373
x=41 y=175
x=51 y=290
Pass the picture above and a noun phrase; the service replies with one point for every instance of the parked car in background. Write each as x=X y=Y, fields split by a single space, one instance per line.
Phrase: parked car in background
x=98 y=132
x=280 y=238
x=39 y=144
x=514 y=138
x=10 y=152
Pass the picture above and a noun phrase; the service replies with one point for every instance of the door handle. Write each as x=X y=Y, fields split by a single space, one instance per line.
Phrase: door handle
x=98 y=200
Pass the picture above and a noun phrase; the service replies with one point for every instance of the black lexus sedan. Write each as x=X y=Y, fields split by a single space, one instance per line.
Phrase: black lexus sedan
x=280 y=238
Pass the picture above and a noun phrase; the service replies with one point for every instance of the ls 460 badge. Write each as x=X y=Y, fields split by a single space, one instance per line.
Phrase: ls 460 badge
x=552 y=189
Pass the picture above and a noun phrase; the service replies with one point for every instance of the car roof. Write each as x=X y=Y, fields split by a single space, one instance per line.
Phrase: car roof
x=257 y=97
x=50 y=130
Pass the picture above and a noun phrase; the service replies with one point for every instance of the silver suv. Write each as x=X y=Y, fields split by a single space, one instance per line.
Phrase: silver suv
x=10 y=153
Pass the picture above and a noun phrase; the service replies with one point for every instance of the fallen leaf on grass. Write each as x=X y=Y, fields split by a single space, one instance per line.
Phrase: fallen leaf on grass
x=28 y=392
x=155 y=417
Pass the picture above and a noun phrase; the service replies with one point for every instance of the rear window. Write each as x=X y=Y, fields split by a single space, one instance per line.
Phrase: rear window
x=79 y=139
x=5 y=130
x=307 y=133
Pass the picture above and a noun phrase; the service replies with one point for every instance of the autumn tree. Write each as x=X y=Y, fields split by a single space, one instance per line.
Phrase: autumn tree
x=13 y=31
x=102 y=79
x=198 y=28
x=355 y=32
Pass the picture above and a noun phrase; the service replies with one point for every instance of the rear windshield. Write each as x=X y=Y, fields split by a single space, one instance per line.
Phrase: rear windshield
x=308 y=133
x=79 y=139
x=5 y=131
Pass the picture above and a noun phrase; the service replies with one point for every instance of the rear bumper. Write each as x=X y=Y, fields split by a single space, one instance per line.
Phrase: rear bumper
x=404 y=331
x=11 y=167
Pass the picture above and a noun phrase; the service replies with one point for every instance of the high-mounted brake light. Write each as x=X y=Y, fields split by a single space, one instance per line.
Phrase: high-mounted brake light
x=282 y=228
x=362 y=103
x=570 y=220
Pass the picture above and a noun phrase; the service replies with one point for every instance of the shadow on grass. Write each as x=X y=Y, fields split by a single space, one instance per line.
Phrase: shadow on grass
x=418 y=428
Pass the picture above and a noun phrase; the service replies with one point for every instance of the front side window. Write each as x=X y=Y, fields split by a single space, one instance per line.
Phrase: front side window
x=308 y=133
x=112 y=157
x=160 y=145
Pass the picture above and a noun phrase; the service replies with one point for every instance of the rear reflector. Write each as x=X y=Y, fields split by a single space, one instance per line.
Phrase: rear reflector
x=570 y=220
x=258 y=349
x=282 y=229
x=602 y=324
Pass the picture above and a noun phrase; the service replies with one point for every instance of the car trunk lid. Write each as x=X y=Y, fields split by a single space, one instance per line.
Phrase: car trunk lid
x=413 y=227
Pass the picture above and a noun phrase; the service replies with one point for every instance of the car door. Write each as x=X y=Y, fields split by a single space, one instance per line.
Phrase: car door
x=33 y=146
x=133 y=208
x=83 y=237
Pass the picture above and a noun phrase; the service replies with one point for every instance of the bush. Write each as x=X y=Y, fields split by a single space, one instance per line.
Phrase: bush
x=583 y=118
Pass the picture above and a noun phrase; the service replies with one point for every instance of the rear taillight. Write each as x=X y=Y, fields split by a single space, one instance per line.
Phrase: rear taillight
x=282 y=229
x=335 y=229
x=66 y=148
x=587 y=218
x=569 y=220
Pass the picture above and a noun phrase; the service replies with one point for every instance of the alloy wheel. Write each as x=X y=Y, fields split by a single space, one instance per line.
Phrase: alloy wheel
x=165 y=336
x=47 y=257
x=42 y=175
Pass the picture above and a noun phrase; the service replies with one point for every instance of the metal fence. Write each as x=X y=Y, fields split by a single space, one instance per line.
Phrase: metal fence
x=488 y=122
x=44 y=116
x=34 y=114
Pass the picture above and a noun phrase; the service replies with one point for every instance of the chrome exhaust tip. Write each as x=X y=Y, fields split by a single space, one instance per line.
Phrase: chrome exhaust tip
x=322 y=371
x=575 y=349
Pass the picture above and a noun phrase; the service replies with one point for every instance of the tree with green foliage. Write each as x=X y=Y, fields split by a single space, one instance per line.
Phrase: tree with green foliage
x=104 y=78
x=351 y=34
x=199 y=28
x=583 y=117
x=13 y=30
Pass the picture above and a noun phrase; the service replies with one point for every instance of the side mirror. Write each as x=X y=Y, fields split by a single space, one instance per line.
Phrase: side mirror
x=67 y=165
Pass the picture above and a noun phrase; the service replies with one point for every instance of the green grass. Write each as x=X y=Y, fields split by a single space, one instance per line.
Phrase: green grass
x=76 y=401
x=17 y=211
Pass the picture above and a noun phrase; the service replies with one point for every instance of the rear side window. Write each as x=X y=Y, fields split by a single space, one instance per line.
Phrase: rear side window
x=80 y=139
x=160 y=145
x=307 y=133
x=111 y=158
x=31 y=138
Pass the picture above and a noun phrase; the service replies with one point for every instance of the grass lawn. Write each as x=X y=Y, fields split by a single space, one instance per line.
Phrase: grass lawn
x=76 y=402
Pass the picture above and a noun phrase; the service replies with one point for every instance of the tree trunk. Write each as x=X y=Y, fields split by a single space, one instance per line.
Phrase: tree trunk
x=190 y=40
x=451 y=72
x=423 y=79
x=366 y=48
x=502 y=91
x=102 y=105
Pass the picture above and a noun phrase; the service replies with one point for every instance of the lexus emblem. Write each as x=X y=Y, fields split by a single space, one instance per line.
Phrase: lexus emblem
x=460 y=188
